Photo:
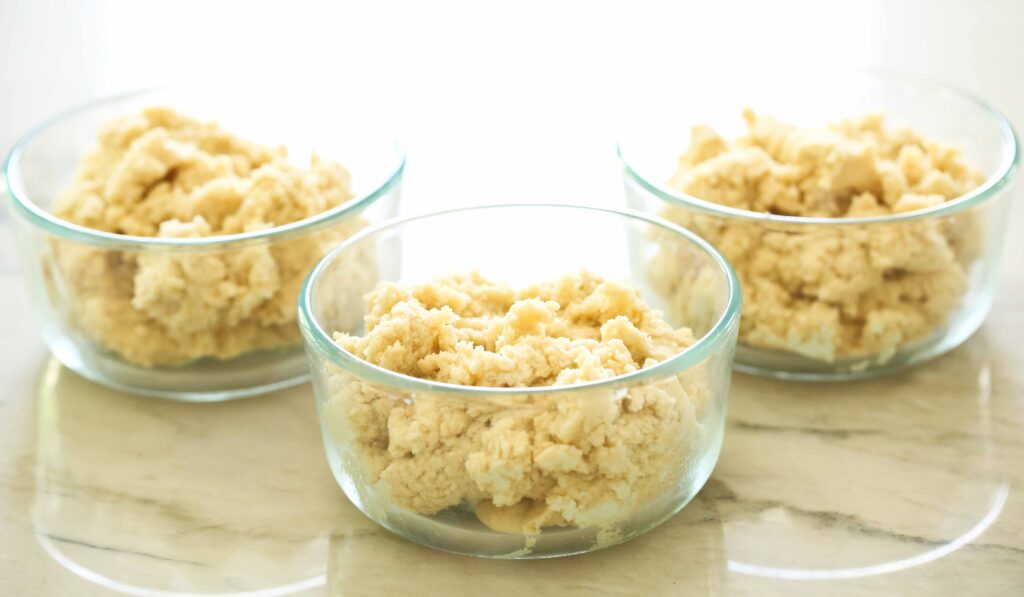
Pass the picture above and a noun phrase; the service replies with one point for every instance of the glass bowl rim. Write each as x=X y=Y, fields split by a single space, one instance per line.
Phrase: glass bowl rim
x=700 y=350
x=1005 y=173
x=50 y=223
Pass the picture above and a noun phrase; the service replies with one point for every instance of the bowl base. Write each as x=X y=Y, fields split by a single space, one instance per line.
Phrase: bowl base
x=457 y=530
x=787 y=366
x=254 y=374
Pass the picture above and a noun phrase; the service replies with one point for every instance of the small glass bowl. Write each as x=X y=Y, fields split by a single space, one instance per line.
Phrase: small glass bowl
x=367 y=413
x=967 y=233
x=83 y=281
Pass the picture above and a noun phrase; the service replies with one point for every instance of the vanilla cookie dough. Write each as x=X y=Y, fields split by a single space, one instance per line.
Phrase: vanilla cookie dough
x=522 y=462
x=833 y=292
x=159 y=173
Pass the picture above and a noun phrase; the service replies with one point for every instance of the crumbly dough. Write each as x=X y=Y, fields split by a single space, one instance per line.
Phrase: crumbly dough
x=841 y=292
x=523 y=461
x=160 y=173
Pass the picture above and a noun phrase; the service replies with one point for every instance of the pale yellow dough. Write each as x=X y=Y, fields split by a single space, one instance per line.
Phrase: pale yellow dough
x=160 y=173
x=524 y=461
x=829 y=293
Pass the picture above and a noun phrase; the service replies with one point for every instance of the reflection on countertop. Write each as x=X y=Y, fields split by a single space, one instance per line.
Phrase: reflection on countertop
x=897 y=472
x=145 y=495
x=907 y=472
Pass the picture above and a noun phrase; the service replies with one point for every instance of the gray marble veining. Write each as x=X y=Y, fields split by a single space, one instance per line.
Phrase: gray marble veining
x=906 y=484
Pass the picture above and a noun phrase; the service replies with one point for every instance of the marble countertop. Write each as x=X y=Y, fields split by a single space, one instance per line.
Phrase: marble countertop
x=911 y=484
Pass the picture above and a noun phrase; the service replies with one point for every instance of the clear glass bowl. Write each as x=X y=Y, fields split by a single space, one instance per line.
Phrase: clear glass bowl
x=83 y=281
x=937 y=309
x=666 y=448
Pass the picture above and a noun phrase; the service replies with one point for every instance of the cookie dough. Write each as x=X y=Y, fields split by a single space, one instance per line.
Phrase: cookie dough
x=834 y=292
x=163 y=174
x=522 y=461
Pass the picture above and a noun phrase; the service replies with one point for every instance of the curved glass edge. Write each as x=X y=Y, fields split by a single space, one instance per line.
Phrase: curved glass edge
x=703 y=348
x=51 y=224
x=990 y=188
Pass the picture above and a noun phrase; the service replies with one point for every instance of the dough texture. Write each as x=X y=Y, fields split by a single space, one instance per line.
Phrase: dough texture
x=586 y=457
x=160 y=173
x=833 y=292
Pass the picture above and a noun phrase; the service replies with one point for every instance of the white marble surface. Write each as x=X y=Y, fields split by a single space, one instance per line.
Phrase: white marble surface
x=909 y=485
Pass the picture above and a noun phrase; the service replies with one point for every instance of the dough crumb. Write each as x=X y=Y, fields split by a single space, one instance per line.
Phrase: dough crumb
x=524 y=462
x=841 y=292
x=160 y=173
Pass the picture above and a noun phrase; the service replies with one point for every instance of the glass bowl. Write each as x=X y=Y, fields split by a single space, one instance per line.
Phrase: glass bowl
x=841 y=298
x=663 y=423
x=176 y=341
